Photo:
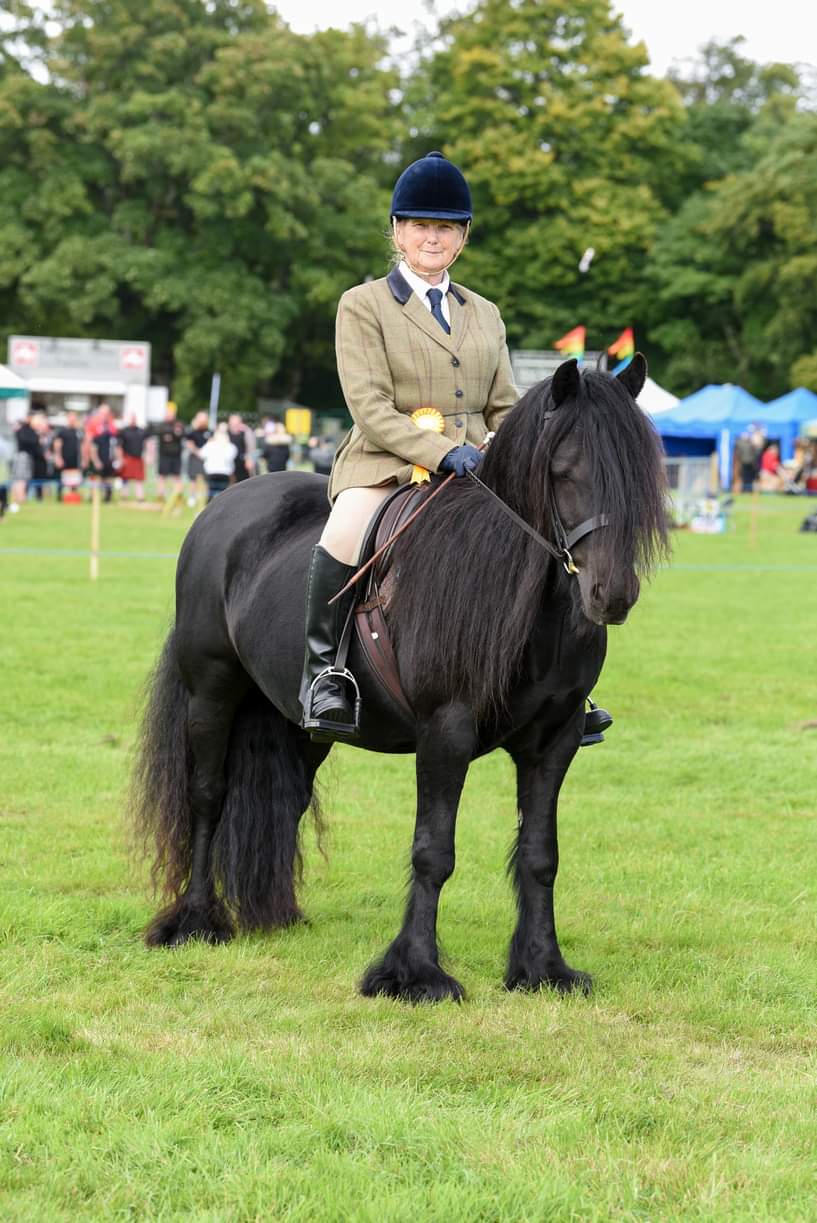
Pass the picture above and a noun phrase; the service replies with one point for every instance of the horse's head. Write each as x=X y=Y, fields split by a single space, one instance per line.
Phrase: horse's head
x=604 y=485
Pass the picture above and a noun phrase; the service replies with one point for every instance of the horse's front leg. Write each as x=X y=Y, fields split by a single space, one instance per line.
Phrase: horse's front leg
x=410 y=968
x=535 y=958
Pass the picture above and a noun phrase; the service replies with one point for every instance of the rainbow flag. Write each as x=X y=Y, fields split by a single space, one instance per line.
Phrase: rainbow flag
x=624 y=349
x=624 y=346
x=572 y=344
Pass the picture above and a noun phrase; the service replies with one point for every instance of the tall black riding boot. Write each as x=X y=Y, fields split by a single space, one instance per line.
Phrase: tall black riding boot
x=329 y=707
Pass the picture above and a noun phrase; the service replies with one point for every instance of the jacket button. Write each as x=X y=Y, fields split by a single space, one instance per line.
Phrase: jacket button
x=459 y=393
x=455 y=361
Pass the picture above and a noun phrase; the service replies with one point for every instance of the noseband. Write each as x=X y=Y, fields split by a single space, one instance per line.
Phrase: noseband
x=561 y=550
x=568 y=540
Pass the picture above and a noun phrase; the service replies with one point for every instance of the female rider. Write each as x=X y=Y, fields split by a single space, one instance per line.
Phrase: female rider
x=412 y=340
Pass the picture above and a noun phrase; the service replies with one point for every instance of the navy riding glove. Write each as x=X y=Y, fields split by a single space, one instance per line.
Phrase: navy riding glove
x=461 y=459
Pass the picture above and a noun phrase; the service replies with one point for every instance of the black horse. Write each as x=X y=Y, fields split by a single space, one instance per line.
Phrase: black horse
x=498 y=645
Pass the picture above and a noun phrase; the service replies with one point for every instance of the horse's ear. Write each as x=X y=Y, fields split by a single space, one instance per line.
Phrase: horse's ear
x=635 y=375
x=566 y=382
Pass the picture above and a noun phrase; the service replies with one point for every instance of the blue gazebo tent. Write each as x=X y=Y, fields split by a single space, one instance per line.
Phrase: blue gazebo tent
x=785 y=417
x=711 y=419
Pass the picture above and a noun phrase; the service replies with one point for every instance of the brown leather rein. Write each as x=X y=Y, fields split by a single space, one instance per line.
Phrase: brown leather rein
x=560 y=551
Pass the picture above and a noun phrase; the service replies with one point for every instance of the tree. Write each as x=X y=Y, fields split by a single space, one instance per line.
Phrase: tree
x=567 y=144
x=194 y=174
x=735 y=270
x=723 y=93
x=694 y=317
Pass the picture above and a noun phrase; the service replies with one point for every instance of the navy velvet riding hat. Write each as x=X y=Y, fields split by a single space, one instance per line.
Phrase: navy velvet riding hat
x=432 y=187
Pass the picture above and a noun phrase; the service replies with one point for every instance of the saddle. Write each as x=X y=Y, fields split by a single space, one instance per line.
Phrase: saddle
x=369 y=617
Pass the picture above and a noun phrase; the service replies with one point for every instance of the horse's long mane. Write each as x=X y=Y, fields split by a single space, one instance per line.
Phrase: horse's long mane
x=470 y=582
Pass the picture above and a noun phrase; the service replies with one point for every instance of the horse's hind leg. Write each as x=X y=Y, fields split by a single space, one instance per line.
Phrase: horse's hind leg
x=198 y=912
x=535 y=958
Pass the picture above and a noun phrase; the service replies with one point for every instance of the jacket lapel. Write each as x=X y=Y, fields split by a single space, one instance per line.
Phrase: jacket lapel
x=401 y=289
x=422 y=317
x=460 y=315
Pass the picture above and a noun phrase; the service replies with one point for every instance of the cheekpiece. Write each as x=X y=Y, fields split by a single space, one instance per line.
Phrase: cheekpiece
x=432 y=187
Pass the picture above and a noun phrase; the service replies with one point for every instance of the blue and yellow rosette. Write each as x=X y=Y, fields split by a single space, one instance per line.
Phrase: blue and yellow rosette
x=426 y=418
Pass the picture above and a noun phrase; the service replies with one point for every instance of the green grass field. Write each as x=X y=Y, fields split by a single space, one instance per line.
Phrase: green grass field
x=252 y=1082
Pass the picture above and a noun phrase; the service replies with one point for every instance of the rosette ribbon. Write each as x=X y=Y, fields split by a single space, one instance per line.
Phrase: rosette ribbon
x=426 y=418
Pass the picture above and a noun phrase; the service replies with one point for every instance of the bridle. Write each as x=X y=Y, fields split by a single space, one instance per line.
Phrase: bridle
x=565 y=540
x=560 y=551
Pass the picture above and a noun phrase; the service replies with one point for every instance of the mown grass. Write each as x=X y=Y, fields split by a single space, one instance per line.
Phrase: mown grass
x=252 y=1082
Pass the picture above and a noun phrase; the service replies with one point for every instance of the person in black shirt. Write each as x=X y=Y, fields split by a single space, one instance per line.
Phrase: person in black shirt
x=104 y=458
x=170 y=436
x=196 y=436
x=30 y=464
x=66 y=450
x=275 y=444
x=244 y=442
x=321 y=452
x=131 y=463
x=6 y=451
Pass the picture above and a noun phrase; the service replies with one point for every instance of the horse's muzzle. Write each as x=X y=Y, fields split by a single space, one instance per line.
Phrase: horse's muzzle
x=609 y=602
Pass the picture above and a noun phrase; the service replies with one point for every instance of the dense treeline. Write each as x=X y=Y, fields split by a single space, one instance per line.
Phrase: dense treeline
x=193 y=173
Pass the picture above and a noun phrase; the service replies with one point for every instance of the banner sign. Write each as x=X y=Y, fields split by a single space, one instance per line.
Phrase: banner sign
x=55 y=357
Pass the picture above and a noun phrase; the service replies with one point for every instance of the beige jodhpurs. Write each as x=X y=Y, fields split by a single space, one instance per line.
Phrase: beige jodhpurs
x=346 y=526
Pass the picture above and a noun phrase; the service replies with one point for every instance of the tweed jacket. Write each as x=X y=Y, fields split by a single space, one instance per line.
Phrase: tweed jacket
x=394 y=357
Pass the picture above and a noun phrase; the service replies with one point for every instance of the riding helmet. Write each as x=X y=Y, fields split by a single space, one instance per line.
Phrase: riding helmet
x=432 y=187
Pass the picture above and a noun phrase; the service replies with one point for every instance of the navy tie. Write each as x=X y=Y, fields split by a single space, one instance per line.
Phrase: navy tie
x=435 y=296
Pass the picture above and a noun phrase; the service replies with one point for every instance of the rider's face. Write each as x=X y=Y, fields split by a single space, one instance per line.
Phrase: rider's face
x=429 y=245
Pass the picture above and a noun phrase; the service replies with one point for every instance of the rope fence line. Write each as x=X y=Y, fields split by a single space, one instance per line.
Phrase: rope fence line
x=750 y=567
x=86 y=552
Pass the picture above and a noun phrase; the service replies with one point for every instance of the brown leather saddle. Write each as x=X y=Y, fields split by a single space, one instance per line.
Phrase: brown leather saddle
x=370 y=622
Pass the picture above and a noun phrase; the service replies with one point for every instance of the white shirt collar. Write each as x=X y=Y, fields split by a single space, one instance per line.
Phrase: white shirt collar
x=421 y=286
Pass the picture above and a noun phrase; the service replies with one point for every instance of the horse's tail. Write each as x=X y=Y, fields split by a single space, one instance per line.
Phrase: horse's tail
x=256 y=852
x=256 y=860
x=162 y=772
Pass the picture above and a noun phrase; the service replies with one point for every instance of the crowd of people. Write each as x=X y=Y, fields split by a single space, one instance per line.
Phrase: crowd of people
x=65 y=454
x=760 y=466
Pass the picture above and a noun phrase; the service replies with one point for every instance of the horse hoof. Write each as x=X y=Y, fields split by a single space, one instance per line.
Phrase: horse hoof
x=424 y=984
x=564 y=980
x=179 y=924
x=573 y=982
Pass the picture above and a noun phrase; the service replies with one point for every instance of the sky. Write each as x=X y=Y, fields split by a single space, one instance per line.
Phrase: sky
x=785 y=30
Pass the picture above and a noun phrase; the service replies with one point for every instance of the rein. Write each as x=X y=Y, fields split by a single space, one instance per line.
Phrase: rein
x=560 y=551
x=564 y=541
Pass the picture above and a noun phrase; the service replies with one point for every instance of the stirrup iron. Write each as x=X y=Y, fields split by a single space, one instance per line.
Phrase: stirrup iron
x=323 y=729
